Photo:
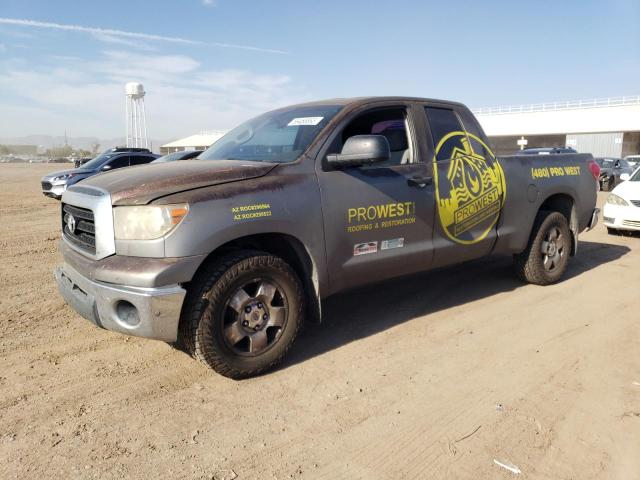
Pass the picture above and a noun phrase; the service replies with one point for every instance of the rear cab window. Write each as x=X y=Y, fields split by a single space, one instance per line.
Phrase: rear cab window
x=443 y=123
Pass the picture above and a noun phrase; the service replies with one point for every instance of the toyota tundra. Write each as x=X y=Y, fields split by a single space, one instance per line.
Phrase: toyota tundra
x=229 y=253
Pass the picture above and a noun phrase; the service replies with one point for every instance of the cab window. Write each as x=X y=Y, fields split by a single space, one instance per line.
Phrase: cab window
x=442 y=122
x=474 y=132
x=388 y=122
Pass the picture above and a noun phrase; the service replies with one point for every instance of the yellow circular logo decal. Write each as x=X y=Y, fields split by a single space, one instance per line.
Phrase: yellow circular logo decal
x=470 y=187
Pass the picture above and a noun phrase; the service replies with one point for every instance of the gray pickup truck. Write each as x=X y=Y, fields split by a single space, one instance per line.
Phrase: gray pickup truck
x=228 y=254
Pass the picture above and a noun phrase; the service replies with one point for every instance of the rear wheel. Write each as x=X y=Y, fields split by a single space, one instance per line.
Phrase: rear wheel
x=546 y=257
x=243 y=314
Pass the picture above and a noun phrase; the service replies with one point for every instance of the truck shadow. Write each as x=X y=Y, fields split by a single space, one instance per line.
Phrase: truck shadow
x=359 y=313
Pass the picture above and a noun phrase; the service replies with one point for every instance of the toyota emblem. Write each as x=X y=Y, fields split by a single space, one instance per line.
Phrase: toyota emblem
x=71 y=223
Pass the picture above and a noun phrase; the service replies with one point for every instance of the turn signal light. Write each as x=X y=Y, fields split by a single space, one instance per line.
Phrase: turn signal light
x=594 y=168
x=177 y=214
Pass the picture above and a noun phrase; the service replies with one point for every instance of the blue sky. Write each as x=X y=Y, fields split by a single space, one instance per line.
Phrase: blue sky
x=211 y=64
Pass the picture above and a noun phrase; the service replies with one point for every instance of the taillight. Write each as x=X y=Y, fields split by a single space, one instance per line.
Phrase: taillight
x=594 y=168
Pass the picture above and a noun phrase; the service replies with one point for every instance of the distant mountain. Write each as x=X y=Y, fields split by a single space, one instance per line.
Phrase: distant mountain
x=85 y=143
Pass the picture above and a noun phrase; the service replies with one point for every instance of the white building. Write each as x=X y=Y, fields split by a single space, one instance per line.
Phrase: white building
x=200 y=141
x=602 y=127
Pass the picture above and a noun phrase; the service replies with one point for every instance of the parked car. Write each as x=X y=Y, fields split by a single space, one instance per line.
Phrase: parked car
x=184 y=155
x=546 y=151
x=622 y=208
x=229 y=254
x=610 y=171
x=56 y=183
x=633 y=160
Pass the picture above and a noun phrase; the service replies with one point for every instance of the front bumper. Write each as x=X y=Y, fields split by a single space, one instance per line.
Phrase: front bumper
x=140 y=311
x=620 y=217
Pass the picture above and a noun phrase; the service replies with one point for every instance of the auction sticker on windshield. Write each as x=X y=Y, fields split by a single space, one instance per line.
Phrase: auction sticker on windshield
x=301 y=121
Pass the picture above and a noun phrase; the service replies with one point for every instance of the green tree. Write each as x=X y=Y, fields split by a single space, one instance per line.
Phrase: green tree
x=82 y=153
x=57 y=152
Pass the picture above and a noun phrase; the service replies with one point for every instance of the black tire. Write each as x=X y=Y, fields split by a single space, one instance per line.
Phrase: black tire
x=208 y=313
x=540 y=268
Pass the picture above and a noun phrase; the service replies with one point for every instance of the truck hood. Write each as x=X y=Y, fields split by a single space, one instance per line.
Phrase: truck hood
x=142 y=184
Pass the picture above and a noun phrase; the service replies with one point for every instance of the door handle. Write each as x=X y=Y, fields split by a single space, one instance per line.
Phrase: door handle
x=420 y=181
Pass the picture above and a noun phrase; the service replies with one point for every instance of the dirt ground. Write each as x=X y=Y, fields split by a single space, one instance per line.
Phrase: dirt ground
x=434 y=376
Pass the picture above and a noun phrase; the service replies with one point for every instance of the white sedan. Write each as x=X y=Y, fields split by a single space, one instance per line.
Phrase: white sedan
x=622 y=208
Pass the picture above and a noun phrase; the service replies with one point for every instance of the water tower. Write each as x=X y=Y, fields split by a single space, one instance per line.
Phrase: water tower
x=135 y=115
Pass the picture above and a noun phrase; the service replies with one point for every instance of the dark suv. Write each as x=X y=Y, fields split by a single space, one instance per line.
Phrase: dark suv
x=56 y=183
x=610 y=171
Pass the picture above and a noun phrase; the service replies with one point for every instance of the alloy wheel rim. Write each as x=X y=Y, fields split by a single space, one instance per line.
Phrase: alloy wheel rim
x=254 y=317
x=553 y=249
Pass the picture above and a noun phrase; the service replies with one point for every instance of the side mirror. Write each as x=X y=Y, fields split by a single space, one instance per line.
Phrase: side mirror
x=361 y=150
x=624 y=177
x=105 y=168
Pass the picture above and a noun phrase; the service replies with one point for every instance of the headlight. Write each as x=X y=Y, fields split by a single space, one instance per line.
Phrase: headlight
x=147 y=222
x=66 y=176
x=613 y=199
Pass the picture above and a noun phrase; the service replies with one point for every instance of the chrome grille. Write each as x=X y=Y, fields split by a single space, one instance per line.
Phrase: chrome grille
x=83 y=236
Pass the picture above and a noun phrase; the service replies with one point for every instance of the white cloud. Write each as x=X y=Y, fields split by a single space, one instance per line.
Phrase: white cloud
x=137 y=43
x=66 y=58
x=137 y=35
x=182 y=97
x=209 y=3
x=14 y=34
x=119 y=63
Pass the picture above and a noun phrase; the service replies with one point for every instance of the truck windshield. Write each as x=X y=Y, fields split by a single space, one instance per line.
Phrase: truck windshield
x=280 y=136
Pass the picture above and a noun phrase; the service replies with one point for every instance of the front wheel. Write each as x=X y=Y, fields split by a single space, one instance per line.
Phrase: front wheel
x=546 y=257
x=243 y=313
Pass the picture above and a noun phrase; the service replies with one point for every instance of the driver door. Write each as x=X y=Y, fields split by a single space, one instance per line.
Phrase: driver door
x=378 y=219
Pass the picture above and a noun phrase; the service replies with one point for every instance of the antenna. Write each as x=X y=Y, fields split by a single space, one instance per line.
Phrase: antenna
x=135 y=115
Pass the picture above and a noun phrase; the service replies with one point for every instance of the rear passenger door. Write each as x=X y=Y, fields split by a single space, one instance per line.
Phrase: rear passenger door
x=378 y=219
x=469 y=186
